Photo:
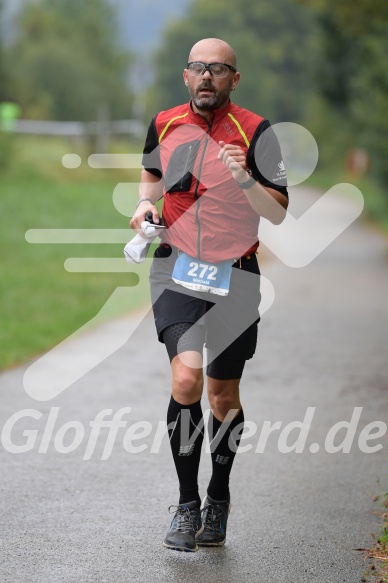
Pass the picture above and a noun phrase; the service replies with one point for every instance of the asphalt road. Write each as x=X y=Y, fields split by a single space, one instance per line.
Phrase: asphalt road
x=296 y=517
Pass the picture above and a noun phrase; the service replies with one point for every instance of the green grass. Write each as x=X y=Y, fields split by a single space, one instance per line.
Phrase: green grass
x=42 y=303
x=378 y=569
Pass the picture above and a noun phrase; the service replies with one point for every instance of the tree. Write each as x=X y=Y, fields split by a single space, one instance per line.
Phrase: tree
x=67 y=62
x=321 y=63
x=370 y=99
x=271 y=41
x=354 y=17
x=3 y=72
x=353 y=76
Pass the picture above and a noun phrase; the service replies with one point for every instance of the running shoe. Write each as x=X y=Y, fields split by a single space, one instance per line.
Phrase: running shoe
x=214 y=518
x=185 y=527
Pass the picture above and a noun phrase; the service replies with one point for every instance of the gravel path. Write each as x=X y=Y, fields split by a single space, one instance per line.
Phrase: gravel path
x=296 y=517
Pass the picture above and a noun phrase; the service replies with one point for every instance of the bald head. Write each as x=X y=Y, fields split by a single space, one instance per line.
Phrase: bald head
x=213 y=50
x=209 y=91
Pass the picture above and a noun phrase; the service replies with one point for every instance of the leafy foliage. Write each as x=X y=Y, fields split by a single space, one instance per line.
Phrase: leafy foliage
x=65 y=61
x=353 y=17
x=320 y=63
x=3 y=73
x=353 y=79
x=370 y=99
x=271 y=62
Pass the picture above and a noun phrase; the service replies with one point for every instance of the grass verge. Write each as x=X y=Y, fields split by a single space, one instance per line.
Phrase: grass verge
x=377 y=571
x=41 y=302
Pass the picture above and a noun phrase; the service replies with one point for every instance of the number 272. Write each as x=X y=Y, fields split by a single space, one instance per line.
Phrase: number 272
x=204 y=268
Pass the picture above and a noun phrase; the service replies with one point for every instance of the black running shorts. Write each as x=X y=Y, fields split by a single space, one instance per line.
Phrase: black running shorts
x=230 y=322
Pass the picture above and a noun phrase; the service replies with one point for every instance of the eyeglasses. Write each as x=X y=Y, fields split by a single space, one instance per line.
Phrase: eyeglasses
x=215 y=69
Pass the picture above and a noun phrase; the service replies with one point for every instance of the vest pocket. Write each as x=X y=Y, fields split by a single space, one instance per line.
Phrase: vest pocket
x=179 y=173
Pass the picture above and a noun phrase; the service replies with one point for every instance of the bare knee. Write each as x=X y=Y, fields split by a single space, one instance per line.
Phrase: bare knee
x=223 y=397
x=187 y=382
x=221 y=405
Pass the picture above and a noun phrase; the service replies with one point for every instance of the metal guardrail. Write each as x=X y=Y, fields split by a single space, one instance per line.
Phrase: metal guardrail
x=77 y=128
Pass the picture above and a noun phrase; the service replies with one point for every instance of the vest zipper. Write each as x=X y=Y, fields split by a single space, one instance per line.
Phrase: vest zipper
x=187 y=162
x=196 y=190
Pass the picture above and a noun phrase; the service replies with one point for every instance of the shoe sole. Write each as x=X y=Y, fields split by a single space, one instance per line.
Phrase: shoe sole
x=185 y=549
x=218 y=544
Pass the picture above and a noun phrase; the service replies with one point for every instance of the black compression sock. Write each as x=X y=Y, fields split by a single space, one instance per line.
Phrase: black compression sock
x=186 y=437
x=222 y=455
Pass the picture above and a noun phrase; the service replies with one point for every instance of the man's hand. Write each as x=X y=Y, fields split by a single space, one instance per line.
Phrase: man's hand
x=151 y=187
x=235 y=160
x=265 y=201
x=140 y=214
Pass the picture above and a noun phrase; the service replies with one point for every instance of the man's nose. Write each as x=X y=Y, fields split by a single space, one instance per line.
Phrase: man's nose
x=206 y=74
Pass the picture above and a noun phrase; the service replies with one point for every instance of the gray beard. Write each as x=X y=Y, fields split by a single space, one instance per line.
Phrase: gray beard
x=206 y=103
x=213 y=102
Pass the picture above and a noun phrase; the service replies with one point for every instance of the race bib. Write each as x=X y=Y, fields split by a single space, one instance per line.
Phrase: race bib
x=201 y=276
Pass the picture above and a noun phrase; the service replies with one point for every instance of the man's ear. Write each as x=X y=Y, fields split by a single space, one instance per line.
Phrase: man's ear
x=186 y=82
x=236 y=80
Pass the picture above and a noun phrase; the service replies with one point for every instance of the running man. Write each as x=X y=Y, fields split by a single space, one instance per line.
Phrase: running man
x=219 y=168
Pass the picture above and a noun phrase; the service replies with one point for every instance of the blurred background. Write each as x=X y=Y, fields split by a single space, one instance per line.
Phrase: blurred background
x=86 y=77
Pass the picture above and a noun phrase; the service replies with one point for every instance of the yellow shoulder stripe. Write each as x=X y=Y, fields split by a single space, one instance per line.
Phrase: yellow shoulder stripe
x=240 y=129
x=169 y=123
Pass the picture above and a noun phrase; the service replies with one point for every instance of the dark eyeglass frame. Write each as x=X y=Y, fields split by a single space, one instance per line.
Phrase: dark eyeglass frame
x=208 y=66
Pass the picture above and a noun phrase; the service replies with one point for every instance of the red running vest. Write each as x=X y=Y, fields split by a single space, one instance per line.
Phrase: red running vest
x=207 y=215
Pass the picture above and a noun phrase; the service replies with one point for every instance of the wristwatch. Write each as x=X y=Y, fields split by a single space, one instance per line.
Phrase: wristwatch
x=247 y=184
